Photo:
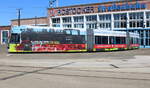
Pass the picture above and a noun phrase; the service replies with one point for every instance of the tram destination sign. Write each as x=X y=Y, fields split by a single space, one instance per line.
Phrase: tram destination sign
x=96 y=9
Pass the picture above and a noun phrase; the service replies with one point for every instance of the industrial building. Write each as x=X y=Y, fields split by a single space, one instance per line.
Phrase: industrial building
x=126 y=15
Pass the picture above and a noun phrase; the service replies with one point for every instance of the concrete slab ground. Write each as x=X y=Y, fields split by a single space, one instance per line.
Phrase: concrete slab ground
x=119 y=69
x=97 y=60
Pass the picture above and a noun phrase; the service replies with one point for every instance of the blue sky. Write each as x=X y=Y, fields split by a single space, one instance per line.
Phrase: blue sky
x=32 y=8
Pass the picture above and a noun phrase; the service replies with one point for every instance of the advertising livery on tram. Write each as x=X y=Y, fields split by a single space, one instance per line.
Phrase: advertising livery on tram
x=46 y=39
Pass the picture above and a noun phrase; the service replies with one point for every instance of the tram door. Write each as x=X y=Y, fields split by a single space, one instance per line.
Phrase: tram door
x=128 y=40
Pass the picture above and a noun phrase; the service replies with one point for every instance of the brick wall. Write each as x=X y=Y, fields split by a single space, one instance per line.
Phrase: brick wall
x=5 y=27
x=31 y=21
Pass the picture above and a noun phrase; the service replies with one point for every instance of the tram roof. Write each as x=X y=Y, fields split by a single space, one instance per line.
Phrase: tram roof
x=19 y=29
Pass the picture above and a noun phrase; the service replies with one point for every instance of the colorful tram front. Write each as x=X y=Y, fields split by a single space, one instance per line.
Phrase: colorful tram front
x=45 y=39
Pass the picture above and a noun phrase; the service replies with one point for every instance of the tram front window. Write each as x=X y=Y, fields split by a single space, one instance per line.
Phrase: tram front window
x=15 y=38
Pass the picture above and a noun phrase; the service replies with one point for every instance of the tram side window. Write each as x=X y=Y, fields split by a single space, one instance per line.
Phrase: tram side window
x=134 y=40
x=101 y=40
x=131 y=41
x=123 y=40
x=97 y=39
x=104 y=39
x=111 y=40
x=117 y=40
x=120 y=40
x=137 y=40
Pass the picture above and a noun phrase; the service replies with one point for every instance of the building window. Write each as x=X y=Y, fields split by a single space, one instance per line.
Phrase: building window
x=148 y=15
x=78 y=25
x=120 y=20
x=66 y=25
x=106 y=17
x=66 y=20
x=56 y=25
x=120 y=17
x=148 y=19
x=105 y=25
x=136 y=16
x=148 y=23
x=91 y=18
x=123 y=25
x=116 y=16
x=119 y=24
x=105 y=21
x=136 y=24
x=55 y=20
x=136 y=20
x=78 y=19
x=91 y=26
x=116 y=24
x=147 y=33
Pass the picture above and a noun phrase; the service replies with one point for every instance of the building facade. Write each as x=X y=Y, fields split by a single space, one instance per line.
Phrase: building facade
x=4 y=34
x=37 y=21
x=128 y=15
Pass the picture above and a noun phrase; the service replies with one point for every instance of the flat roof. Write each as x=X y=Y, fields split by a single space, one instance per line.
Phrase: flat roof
x=8 y=27
x=30 y=18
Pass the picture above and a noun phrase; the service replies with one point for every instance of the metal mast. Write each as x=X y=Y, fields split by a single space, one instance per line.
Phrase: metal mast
x=53 y=3
x=19 y=16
